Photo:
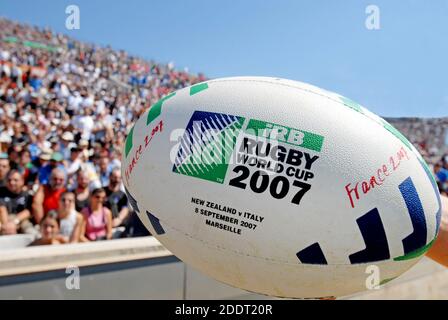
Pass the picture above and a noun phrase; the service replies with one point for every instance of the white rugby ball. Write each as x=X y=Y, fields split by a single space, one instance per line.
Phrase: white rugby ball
x=280 y=188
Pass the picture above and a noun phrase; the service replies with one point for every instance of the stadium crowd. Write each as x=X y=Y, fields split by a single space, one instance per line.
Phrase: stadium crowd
x=65 y=109
x=430 y=137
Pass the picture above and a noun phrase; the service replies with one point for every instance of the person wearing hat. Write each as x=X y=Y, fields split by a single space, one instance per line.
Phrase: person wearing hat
x=55 y=161
x=45 y=155
x=83 y=144
x=85 y=150
x=66 y=144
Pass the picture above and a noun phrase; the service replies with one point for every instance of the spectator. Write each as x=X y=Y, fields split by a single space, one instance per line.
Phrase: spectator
x=74 y=162
x=4 y=168
x=40 y=145
x=45 y=171
x=97 y=222
x=49 y=227
x=44 y=158
x=116 y=158
x=47 y=196
x=35 y=82
x=104 y=169
x=18 y=138
x=15 y=206
x=85 y=124
x=27 y=169
x=84 y=145
x=70 y=219
x=14 y=155
x=116 y=199
x=441 y=173
x=66 y=144
x=85 y=164
x=82 y=191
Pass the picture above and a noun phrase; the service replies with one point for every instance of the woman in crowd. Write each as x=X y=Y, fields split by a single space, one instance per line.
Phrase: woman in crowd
x=97 y=219
x=70 y=219
x=49 y=227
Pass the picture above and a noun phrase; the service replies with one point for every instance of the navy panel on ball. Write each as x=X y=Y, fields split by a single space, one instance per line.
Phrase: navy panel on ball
x=312 y=255
x=132 y=200
x=155 y=223
x=372 y=231
x=417 y=238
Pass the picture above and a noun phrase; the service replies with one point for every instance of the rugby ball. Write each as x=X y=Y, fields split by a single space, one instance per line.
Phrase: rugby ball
x=280 y=188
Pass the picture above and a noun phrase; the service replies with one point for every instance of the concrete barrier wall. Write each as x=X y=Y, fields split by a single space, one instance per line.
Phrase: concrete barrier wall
x=141 y=268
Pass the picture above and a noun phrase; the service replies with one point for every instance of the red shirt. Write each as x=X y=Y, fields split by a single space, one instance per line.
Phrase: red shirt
x=51 y=198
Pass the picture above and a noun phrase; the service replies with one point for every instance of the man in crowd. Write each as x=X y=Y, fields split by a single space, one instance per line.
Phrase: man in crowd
x=116 y=199
x=55 y=162
x=66 y=144
x=4 y=168
x=104 y=169
x=122 y=214
x=15 y=206
x=47 y=196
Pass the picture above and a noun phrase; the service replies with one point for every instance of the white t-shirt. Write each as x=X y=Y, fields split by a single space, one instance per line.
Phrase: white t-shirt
x=67 y=225
x=85 y=124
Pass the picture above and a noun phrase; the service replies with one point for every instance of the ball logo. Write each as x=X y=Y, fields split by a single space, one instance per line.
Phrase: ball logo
x=207 y=145
x=210 y=140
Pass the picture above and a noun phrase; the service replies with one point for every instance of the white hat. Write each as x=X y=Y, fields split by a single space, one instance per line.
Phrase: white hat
x=68 y=136
x=46 y=153
x=83 y=143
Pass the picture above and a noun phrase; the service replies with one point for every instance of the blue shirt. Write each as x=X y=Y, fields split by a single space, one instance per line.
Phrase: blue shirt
x=34 y=151
x=45 y=172
x=35 y=83
x=104 y=176
x=442 y=175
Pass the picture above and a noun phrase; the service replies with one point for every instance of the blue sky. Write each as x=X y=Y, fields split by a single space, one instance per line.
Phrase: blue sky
x=399 y=70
